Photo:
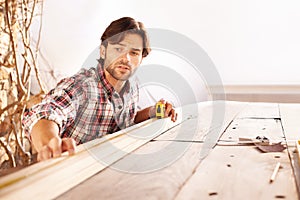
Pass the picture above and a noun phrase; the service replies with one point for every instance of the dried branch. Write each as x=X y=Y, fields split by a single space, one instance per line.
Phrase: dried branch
x=18 y=142
x=18 y=18
x=8 y=153
x=17 y=104
x=20 y=86
x=27 y=26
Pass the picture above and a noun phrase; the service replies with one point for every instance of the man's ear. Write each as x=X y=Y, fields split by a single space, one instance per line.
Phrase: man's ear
x=102 y=52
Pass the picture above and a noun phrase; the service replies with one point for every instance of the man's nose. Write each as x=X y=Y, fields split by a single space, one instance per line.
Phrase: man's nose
x=126 y=57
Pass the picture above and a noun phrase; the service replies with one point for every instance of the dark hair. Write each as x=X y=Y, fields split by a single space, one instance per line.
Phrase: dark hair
x=118 y=29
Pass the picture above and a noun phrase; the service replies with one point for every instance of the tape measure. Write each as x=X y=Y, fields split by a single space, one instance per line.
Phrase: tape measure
x=160 y=110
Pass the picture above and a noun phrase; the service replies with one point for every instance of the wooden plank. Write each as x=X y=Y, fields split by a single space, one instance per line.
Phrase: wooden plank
x=257 y=119
x=242 y=172
x=290 y=121
x=48 y=179
x=160 y=184
x=261 y=110
x=295 y=162
x=289 y=118
x=251 y=128
x=203 y=122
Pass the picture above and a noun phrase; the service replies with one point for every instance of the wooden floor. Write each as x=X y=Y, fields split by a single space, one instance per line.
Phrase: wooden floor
x=159 y=159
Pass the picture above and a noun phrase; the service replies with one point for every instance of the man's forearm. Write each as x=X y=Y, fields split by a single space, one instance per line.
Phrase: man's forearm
x=145 y=114
x=42 y=132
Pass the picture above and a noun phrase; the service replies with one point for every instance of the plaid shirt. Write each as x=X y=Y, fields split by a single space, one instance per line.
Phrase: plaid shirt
x=86 y=106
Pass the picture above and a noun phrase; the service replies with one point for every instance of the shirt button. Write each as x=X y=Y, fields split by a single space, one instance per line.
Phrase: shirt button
x=120 y=107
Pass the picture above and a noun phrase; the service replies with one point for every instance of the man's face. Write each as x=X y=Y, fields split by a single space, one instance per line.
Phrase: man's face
x=122 y=59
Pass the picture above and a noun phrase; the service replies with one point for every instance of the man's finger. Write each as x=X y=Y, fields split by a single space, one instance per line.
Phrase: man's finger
x=68 y=144
x=55 y=146
x=44 y=154
x=173 y=115
x=168 y=109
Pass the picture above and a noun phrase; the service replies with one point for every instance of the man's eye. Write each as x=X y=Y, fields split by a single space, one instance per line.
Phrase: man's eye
x=118 y=49
x=135 y=53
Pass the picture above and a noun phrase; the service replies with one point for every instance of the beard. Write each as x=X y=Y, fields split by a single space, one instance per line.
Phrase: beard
x=119 y=73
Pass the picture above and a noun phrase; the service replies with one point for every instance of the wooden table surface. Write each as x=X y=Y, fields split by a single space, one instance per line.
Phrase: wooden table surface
x=159 y=159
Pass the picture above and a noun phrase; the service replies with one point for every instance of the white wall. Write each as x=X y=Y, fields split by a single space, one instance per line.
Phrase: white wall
x=250 y=42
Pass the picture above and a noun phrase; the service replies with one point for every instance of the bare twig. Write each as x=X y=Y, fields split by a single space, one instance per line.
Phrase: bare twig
x=8 y=153
x=18 y=18
x=18 y=142
x=21 y=88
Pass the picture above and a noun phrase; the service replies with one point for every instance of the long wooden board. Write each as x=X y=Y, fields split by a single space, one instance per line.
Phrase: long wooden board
x=47 y=180
x=205 y=119
x=290 y=116
x=261 y=110
x=250 y=128
x=290 y=124
x=160 y=184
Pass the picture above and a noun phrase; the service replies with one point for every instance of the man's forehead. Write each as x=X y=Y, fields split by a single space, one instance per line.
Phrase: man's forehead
x=132 y=40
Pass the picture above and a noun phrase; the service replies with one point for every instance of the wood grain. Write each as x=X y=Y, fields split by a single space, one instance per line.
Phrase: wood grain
x=243 y=172
x=253 y=127
x=260 y=110
x=205 y=122
x=240 y=173
x=151 y=162
x=163 y=174
x=289 y=118
x=160 y=184
x=48 y=179
x=290 y=114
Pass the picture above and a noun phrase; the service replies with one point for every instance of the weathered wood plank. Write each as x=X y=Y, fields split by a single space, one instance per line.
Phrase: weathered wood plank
x=253 y=127
x=242 y=172
x=289 y=118
x=257 y=119
x=261 y=110
x=163 y=183
x=290 y=114
x=205 y=121
x=48 y=179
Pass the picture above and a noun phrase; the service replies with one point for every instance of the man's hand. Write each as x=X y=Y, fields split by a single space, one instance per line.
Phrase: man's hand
x=169 y=110
x=46 y=141
x=150 y=112
x=56 y=147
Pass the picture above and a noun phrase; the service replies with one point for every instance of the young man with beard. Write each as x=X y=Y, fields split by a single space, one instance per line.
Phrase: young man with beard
x=94 y=102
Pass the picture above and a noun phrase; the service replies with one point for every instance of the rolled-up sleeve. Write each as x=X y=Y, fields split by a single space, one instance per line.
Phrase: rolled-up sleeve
x=59 y=105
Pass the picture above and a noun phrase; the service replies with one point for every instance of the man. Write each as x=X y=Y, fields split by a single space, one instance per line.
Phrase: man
x=94 y=102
